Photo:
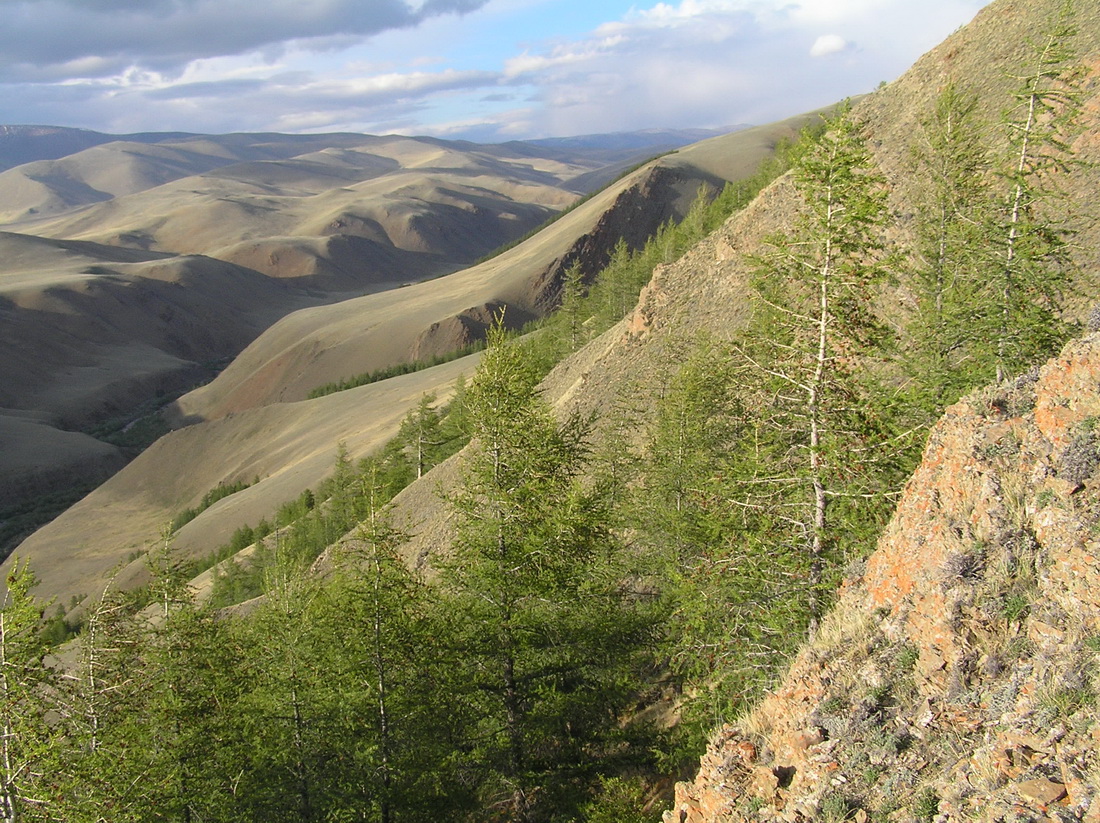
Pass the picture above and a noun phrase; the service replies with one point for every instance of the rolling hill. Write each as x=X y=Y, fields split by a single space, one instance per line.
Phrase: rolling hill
x=331 y=342
x=957 y=677
x=134 y=269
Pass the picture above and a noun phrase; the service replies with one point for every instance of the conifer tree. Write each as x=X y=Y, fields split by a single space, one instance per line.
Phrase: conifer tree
x=548 y=636
x=26 y=739
x=815 y=432
x=400 y=722
x=101 y=707
x=572 y=294
x=1029 y=243
x=949 y=353
x=179 y=730
x=422 y=435
x=290 y=710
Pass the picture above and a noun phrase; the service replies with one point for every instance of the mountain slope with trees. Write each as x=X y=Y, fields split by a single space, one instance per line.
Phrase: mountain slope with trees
x=640 y=508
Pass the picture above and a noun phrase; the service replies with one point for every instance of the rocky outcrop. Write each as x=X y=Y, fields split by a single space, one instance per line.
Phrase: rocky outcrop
x=466 y=328
x=663 y=194
x=956 y=678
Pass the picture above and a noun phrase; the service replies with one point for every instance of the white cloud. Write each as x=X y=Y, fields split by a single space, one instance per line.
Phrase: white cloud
x=39 y=36
x=686 y=63
x=828 y=44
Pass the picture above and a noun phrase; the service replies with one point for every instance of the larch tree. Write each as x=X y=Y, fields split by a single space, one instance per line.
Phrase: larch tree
x=26 y=739
x=949 y=352
x=398 y=732
x=549 y=636
x=1031 y=254
x=422 y=435
x=815 y=431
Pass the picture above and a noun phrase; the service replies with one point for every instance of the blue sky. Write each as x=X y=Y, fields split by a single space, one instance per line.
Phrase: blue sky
x=475 y=69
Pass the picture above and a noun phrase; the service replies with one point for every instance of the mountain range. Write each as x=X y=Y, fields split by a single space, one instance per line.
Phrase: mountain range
x=137 y=269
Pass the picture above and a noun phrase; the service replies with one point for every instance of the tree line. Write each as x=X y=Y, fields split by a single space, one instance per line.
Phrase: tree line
x=591 y=580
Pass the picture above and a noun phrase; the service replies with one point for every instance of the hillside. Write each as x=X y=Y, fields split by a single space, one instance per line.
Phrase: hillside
x=328 y=343
x=956 y=676
x=318 y=346
x=28 y=144
x=729 y=514
x=135 y=269
x=280 y=449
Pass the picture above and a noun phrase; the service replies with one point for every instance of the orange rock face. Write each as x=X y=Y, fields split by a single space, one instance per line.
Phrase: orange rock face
x=956 y=676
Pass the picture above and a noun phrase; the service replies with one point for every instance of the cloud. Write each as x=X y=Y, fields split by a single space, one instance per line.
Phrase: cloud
x=723 y=62
x=42 y=38
x=404 y=65
x=828 y=44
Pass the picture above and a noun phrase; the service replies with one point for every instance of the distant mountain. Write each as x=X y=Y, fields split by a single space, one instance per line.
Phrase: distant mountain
x=257 y=239
x=656 y=139
x=25 y=144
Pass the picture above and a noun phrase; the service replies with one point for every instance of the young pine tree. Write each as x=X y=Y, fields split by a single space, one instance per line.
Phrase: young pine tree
x=102 y=718
x=401 y=724
x=27 y=741
x=949 y=352
x=182 y=740
x=421 y=435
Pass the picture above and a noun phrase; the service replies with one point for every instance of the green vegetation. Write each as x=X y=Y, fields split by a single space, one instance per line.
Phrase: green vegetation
x=219 y=492
x=552 y=643
x=585 y=574
x=396 y=370
x=22 y=519
x=304 y=527
x=985 y=210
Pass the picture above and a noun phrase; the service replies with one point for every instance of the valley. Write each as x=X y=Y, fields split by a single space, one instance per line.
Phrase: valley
x=535 y=482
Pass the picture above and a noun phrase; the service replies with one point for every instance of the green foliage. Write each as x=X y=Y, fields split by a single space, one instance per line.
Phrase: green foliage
x=1015 y=606
x=508 y=690
x=949 y=350
x=907 y=658
x=550 y=641
x=1028 y=243
x=304 y=527
x=58 y=629
x=835 y=808
x=820 y=441
x=396 y=370
x=621 y=800
x=219 y=492
x=927 y=804
x=712 y=593
x=26 y=740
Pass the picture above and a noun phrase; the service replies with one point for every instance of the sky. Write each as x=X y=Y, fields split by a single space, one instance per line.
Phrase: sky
x=484 y=70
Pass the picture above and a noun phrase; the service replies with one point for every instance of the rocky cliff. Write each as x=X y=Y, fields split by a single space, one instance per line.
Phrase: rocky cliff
x=956 y=678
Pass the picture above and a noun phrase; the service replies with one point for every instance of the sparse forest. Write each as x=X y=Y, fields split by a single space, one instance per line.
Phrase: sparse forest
x=592 y=593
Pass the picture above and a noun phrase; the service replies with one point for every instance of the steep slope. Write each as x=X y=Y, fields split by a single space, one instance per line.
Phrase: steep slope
x=330 y=343
x=81 y=320
x=280 y=449
x=986 y=58
x=958 y=673
x=890 y=711
x=311 y=348
x=144 y=294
